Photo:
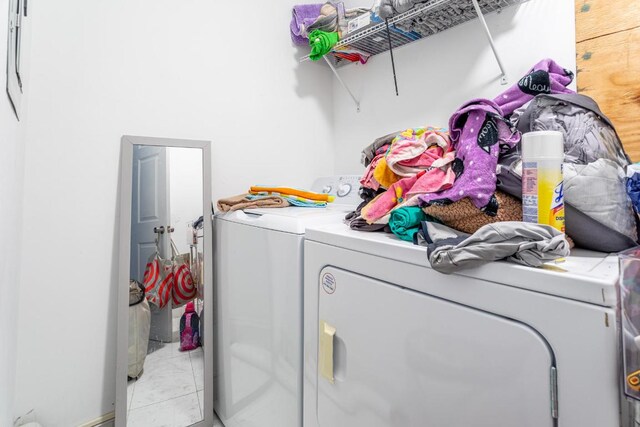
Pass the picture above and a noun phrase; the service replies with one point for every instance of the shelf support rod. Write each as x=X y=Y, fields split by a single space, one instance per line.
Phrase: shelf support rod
x=393 y=62
x=344 y=85
x=503 y=79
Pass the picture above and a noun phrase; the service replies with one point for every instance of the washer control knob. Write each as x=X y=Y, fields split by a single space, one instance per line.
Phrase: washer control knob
x=326 y=189
x=344 y=189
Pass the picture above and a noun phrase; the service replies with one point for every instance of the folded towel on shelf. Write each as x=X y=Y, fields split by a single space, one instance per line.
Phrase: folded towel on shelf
x=524 y=243
x=287 y=191
x=243 y=201
x=405 y=222
x=303 y=15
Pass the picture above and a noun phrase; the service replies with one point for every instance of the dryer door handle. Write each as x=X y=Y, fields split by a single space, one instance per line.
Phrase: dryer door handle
x=325 y=346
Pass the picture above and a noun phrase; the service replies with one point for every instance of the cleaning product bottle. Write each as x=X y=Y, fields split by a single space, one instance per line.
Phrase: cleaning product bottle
x=542 y=181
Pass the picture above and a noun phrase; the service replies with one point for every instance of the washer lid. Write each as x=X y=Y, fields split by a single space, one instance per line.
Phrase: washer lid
x=289 y=220
x=584 y=276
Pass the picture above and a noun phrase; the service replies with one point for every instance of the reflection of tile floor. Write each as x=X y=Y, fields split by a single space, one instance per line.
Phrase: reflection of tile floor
x=170 y=391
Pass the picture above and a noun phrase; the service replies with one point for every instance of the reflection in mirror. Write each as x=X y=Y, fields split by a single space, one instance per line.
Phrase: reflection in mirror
x=166 y=299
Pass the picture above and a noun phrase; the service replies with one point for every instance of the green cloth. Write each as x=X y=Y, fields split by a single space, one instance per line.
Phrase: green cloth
x=405 y=222
x=321 y=43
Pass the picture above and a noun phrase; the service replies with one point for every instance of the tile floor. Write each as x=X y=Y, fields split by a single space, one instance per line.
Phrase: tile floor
x=170 y=391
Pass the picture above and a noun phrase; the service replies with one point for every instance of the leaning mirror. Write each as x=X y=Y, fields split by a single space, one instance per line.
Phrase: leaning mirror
x=164 y=344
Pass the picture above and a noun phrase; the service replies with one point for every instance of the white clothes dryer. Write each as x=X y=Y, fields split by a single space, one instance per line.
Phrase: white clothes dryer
x=390 y=342
x=258 y=307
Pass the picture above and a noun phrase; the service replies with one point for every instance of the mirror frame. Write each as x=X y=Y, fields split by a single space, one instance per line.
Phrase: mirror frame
x=126 y=182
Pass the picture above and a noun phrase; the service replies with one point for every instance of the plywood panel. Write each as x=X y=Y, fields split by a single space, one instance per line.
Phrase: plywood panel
x=609 y=72
x=595 y=18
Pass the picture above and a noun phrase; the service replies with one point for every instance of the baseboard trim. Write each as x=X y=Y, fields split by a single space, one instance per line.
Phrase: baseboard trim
x=98 y=422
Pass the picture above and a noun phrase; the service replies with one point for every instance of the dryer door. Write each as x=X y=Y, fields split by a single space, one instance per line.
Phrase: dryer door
x=389 y=356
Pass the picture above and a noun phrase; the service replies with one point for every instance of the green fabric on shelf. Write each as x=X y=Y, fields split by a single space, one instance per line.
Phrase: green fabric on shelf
x=405 y=222
x=321 y=43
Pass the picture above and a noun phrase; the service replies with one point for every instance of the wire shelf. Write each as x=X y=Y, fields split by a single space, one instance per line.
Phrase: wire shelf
x=427 y=19
x=424 y=20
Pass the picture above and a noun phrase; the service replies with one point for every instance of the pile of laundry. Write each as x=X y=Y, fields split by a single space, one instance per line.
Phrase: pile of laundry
x=274 y=197
x=468 y=178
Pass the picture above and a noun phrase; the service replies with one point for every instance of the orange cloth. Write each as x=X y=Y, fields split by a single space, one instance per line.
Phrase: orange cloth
x=292 y=192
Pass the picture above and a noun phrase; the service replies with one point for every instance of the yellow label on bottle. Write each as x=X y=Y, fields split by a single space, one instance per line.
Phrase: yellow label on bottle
x=543 y=195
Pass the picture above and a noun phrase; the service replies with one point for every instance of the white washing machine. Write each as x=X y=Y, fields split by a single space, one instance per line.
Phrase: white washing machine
x=390 y=342
x=258 y=304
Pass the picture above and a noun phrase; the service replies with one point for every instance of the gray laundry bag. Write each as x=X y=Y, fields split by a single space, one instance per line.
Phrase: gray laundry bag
x=599 y=214
x=139 y=326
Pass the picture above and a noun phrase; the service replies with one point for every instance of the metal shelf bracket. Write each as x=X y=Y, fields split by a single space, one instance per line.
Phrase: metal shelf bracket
x=344 y=85
x=503 y=80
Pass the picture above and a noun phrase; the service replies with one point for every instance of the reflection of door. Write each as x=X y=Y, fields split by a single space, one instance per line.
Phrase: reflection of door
x=149 y=209
x=401 y=358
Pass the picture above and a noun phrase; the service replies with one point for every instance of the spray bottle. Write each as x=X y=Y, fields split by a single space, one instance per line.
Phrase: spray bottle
x=542 y=180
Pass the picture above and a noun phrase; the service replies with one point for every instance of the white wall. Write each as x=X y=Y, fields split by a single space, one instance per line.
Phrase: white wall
x=11 y=186
x=188 y=69
x=437 y=74
x=185 y=192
